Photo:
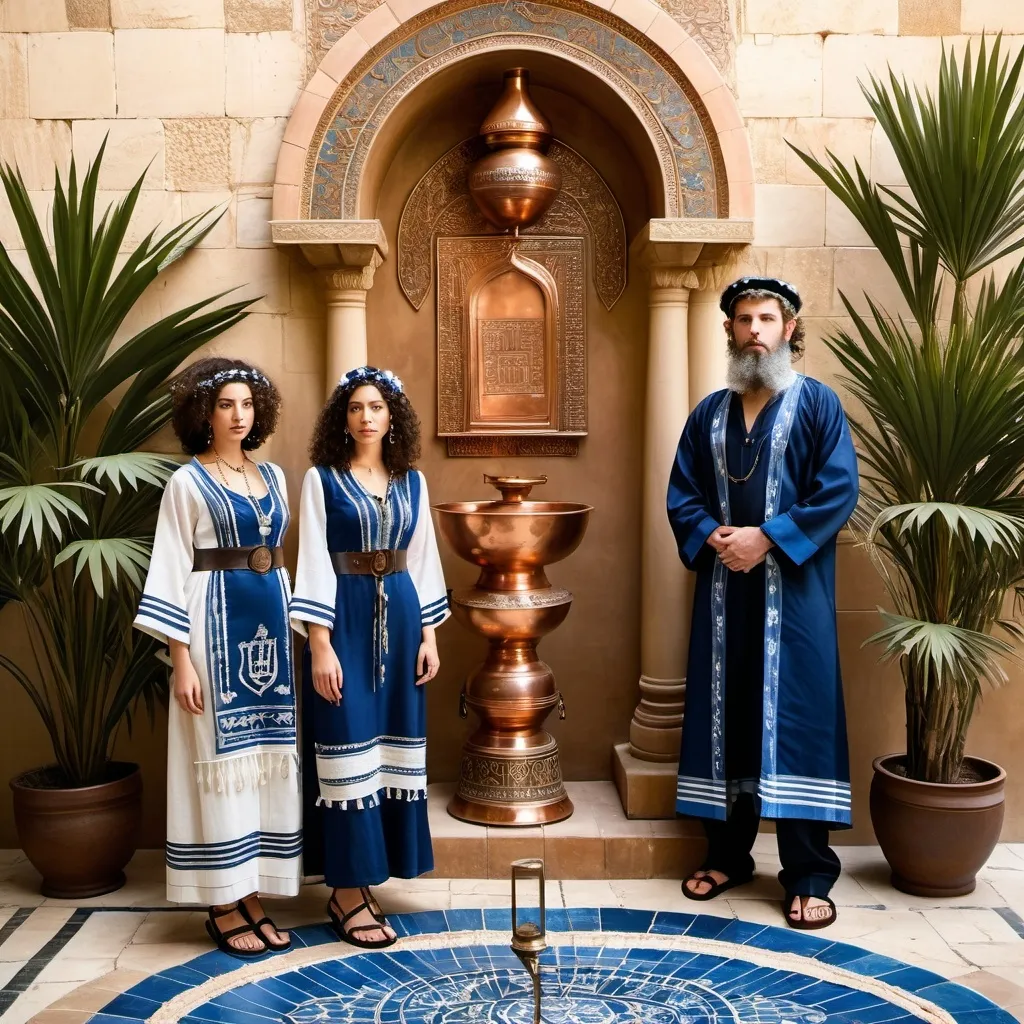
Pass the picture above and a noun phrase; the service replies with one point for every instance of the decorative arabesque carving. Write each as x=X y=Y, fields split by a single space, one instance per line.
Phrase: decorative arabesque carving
x=440 y=204
x=326 y=22
x=680 y=128
x=707 y=21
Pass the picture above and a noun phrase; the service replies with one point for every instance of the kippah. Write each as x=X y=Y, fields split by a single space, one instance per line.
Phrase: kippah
x=783 y=289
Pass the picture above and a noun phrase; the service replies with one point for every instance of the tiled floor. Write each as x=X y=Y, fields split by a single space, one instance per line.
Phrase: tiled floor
x=75 y=958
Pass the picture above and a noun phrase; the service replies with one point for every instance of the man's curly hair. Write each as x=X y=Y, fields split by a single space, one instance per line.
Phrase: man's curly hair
x=194 y=396
x=332 y=445
x=796 y=342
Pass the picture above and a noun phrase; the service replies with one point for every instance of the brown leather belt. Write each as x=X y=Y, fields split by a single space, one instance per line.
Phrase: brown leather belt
x=369 y=563
x=258 y=558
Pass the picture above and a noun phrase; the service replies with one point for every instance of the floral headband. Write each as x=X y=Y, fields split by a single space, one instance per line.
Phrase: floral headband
x=385 y=381
x=217 y=380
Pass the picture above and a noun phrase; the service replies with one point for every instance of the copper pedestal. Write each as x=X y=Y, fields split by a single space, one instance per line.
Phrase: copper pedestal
x=510 y=771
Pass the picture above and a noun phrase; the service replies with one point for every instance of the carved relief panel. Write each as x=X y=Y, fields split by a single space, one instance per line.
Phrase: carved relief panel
x=511 y=345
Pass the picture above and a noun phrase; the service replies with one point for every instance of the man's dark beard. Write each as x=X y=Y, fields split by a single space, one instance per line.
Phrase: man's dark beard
x=751 y=371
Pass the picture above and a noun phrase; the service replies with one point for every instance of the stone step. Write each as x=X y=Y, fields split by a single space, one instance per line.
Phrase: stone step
x=597 y=841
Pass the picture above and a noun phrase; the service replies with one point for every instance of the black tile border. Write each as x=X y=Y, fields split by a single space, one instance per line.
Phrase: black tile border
x=1012 y=918
x=24 y=978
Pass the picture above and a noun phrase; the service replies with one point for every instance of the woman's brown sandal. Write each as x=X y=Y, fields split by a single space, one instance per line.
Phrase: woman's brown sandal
x=259 y=926
x=222 y=939
x=351 y=935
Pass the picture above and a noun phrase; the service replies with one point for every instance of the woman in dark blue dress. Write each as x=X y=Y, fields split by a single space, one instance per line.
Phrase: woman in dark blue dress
x=369 y=591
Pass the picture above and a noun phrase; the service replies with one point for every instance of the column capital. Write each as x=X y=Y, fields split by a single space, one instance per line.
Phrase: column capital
x=351 y=279
x=336 y=246
x=690 y=252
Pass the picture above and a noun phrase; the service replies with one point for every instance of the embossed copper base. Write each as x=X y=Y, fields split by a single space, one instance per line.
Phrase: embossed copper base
x=510 y=771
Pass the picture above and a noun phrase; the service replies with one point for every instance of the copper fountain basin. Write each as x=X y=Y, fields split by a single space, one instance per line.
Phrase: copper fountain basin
x=510 y=772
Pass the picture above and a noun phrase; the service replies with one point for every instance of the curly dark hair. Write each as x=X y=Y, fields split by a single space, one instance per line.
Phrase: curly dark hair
x=194 y=394
x=332 y=446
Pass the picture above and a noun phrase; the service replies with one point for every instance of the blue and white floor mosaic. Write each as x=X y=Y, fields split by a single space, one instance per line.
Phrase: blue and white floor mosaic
x=607 y=966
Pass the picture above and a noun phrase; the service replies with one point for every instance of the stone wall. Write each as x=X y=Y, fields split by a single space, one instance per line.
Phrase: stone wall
x=199 y=92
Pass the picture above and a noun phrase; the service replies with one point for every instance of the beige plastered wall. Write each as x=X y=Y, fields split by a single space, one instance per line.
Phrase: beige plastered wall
x=200 y=92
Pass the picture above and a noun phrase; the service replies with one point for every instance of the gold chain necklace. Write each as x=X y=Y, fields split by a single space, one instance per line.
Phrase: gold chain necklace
x=744 y=479
x=263 y=521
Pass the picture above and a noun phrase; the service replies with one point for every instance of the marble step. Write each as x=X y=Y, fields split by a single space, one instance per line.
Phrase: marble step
x=597 y=841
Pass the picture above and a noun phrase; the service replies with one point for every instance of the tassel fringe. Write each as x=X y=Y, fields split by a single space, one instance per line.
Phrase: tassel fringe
x=249 y=771
x=374 y=799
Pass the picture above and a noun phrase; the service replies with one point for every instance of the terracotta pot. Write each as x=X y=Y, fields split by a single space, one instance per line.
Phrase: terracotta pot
x=79 y=840
x=936 y=836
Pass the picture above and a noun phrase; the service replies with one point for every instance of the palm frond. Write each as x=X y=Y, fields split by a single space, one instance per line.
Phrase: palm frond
x=135 y=467
x=109 y=556
x=39 y=506
x=959 y=655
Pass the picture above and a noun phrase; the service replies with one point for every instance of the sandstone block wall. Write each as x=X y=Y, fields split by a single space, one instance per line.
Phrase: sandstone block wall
x=197 y=94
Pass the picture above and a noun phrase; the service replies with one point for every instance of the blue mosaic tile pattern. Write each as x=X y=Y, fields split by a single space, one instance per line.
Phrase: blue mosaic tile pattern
x=651 y=972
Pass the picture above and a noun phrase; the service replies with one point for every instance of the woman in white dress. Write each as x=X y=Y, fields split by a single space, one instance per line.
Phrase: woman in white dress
x=217 y=593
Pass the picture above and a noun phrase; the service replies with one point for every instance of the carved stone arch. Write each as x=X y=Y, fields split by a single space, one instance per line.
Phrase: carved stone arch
x=440 y=204
x=673 y=90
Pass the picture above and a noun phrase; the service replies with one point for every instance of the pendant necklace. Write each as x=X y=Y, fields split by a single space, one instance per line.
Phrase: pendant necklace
x=757 y=457
x=263 y=519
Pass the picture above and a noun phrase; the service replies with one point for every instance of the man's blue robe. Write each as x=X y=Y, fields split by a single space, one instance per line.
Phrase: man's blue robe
x=764 y=655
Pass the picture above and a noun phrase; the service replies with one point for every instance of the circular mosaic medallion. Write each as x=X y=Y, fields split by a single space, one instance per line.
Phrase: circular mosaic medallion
x=602 y=967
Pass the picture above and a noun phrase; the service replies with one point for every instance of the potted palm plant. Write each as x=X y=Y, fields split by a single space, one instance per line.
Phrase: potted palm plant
x=941 y=441
x=78 y=501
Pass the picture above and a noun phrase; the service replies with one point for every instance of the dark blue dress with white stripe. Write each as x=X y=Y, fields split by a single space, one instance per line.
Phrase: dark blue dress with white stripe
x=365 y=760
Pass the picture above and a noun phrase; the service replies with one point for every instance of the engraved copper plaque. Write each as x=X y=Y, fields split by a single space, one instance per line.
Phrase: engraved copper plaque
x=511 y=344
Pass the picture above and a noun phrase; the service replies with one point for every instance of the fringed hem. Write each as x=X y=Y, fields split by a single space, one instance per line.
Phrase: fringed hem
x=248 y=771
x=373 y=800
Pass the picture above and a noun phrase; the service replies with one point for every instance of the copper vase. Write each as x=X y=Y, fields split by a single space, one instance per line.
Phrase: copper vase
x=510 y=772
x=514 y=185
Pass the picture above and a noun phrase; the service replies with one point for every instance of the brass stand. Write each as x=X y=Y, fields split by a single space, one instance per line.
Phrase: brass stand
x=510 y=771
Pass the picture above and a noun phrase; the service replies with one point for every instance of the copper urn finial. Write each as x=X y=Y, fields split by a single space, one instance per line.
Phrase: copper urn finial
x=514 y=185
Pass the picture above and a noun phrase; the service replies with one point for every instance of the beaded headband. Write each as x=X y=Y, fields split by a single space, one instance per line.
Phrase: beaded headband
x=385 y=381
x=217 y=380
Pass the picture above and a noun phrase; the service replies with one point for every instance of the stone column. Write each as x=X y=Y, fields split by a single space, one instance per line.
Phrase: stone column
x=645 y=768
x=345 y=291
x=345 y=253
x=708 y=352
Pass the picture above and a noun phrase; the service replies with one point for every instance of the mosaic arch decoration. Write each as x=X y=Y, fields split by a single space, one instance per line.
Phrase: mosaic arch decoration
x=692 y=169
x=708 y=21
x=607 y=966
x=440 y=204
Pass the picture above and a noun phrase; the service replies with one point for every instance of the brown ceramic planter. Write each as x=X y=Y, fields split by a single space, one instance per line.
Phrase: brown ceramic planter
x=79 y=840
x=936 y=837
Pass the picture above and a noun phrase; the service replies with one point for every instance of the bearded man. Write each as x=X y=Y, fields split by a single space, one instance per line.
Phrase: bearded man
x=765 y=477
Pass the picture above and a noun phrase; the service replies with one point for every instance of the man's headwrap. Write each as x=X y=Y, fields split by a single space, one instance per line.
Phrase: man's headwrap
x=783 y=289
x=387 y=383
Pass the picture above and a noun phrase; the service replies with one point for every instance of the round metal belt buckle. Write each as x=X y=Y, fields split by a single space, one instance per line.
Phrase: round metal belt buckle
x=379 y=563
x=261 y=559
